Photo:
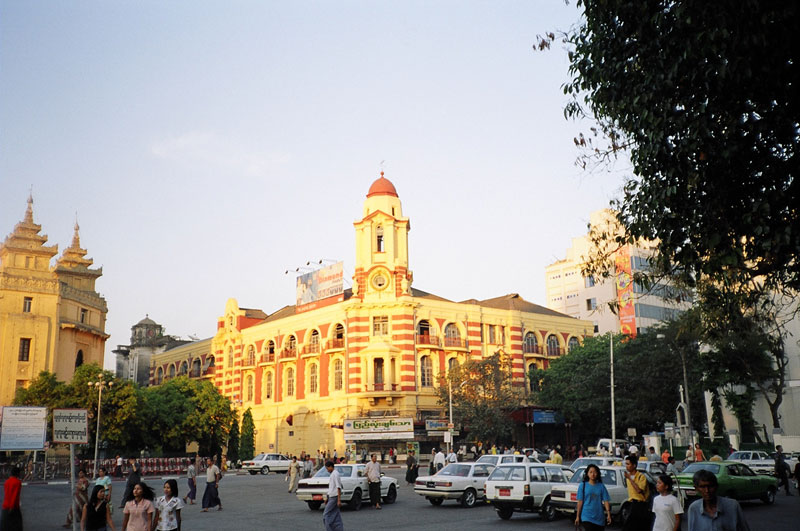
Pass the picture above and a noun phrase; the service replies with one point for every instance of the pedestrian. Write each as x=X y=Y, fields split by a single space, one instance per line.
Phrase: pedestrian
x=11 y=517
x=117 y=469
x=373 y=471
x=96 y=514
x=633 y=450
x=134 y=477
x=665 y=456
x=781 y=470
x=557 y=459
x=211 y=494
x=689 y=458
x=666 y=507
x=411 y=468
x=638 y=495
x=293 y=474
x=79 y=497
x=652 y=455
x=308 y=467
x=698 y=454
x=191 y=479
x=332 y=516
x=391 y=455
x=438 y=460
x=104 y=480
x=672 y=470
x=451 y=456
x=712 y=511
x=138 y=512
x=168 y=508
x=593 y=497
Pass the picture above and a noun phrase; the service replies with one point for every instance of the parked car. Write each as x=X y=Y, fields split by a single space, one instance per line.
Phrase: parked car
x=565 y=497
x=595 y=460
x=355 y=489
x=266 y=463
x=790 y=460
x=736 y=480
x=525 y=487
x=463 y=482
x=500 y=459
x=759 y=461
x=654 y=468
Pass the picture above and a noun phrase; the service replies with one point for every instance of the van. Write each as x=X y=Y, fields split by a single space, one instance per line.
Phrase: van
x=606 y=444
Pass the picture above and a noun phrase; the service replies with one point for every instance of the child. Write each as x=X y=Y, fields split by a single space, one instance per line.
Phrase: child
x=168 y=507
x=666 y=507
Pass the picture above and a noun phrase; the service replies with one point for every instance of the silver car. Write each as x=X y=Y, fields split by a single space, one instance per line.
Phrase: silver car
x=525 y=487
x=463 y=482
x=266 y=463
x=355 y=488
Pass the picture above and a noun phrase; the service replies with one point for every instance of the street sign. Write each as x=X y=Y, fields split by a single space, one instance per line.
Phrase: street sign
x=631 y=432
x=23 y=428
x=70 y=426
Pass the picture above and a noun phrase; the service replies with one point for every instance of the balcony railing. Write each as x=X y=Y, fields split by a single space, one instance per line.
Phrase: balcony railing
x=268 y=357
x=311 y=349
x=455 y=342
x=428 y=339
x=335 y=343
x=555 y=351
x=289 y=353
x=378 y=387
x=532 y=349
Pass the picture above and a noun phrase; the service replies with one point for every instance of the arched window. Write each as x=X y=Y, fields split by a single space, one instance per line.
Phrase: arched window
x=249 y=389
x=452 y=336
x=291 y=343
x=172 y=370
x=312 y=378
x=184 y=369
x=314 y=341
x=530 y=345
x=268 y=386
x=338 y=375
x=211 y=361
x=452 y=363
x=230 y=356
x=289 y=382
x=271 y=347
x=79 y=359
x=379 y=239
x=197 y=368
x=573 y=342
x=377 y=366
x=424 y=327
x=338 y=332
x=426 y=371
x=159 y=376
x=552 y=345
x=251 y=355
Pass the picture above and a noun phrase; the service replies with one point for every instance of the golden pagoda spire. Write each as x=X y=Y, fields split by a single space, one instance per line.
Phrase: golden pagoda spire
x=29 y=210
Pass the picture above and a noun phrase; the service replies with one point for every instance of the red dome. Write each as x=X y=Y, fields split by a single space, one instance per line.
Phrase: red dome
x=382 y=186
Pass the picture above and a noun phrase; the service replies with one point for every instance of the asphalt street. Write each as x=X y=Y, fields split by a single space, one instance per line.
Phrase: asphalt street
x=262 y=502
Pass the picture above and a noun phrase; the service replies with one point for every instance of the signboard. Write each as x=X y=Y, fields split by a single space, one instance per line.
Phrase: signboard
x=23 y=428
x=624 y=281
x=326 y=284
x=70 y=426
x=412 y=445
x=631 y=432
x=362 y=429
x=436 y=424
x=544 y=417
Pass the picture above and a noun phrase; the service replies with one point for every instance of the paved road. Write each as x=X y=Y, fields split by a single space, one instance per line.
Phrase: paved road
x=261 y=502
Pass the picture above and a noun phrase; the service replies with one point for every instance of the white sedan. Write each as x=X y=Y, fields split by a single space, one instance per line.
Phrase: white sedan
x=355 y=489
x=457 y=481
x=266 y=463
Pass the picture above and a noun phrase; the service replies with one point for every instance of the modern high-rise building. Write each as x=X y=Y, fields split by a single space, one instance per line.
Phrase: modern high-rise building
x=570 y=292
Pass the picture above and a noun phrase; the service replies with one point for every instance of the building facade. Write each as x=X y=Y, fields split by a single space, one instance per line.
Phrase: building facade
x=51 y=316
x=147 y=340
x=379 y=349
x=569 y=292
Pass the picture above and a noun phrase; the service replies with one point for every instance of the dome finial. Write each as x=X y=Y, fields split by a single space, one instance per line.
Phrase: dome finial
x=76 y=238
x=29 y=210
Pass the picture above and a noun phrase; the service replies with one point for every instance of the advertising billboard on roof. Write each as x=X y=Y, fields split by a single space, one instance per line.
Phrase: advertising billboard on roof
x=326 y=284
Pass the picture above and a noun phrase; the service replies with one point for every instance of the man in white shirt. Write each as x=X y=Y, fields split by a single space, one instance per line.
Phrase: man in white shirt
x=373 y=471
x=438 y=460
x=211 y=494
x=451 y=457
x=332 y=517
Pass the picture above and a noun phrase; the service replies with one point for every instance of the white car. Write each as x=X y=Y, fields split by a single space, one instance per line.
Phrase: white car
x=759 y=462
x=355 y=489
x=457 y=481
x=266 y=463
x=565 y=497
x=500 y=459
x=525 y=487
x=598 y=460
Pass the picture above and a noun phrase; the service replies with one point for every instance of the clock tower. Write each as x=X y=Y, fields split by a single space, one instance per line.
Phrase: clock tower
x=381 y=271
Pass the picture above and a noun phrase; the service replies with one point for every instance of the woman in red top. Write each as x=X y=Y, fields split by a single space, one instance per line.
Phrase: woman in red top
x=11 y=518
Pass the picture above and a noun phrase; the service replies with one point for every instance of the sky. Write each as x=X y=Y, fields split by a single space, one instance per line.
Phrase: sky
x=208 y=147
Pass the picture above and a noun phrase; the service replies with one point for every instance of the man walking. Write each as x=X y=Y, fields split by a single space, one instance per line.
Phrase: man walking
x=452 y=457
x=191 y=477
x=638 y=494
x=211 y=494
x=781 y=469
x=438 y=460
x=332 y=517
x=714 y=512
x=374 y=478
x=11 y=517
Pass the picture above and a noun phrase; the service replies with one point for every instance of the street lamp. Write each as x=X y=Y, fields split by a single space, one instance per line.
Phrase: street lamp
x=613 y=412
x=685 y=388
x=100 y=384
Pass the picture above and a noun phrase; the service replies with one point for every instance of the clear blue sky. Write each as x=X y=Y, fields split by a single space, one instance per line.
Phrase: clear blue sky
x=209 y=146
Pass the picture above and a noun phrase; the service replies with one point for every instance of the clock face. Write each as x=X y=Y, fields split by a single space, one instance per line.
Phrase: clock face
x=379 y=281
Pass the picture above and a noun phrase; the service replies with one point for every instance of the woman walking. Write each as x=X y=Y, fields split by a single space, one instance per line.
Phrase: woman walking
x=191 y=477
x=666 y=507
x=79 y=498
x=134 y=477
x=104 y=480
x=411 y=468
x=139 y=511
x=593 y=497
x=168 y=508
x=96 y=514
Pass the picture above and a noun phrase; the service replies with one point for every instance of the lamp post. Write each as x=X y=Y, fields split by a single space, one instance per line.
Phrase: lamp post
x=613 y=412
x=685 y=388
x=100 y=384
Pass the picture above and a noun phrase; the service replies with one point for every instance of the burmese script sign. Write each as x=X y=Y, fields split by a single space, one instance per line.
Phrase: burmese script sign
x=70 y=426
x=363 y=429
x=23 y=428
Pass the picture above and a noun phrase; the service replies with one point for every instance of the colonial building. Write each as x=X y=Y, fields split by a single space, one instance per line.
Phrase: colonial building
x=379 y=349
x=147 y=339
x=51 y=316
x=569 y=292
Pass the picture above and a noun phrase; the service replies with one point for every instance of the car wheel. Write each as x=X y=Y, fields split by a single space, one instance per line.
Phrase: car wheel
x=264 y=470
x=624 y=513
x=769 y=497
x=391 y=496
x=355 y=501
x=505 y=512
x=436 y=501
x=253 y=472
x=314 y=505
x=469 y=498
x=548 y=512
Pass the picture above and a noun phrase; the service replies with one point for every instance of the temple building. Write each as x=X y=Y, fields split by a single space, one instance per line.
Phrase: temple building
x=51 y=316
x=378 y=350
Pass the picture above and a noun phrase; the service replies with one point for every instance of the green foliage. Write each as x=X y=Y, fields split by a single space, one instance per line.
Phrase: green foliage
x=483 y=398
x=233 y=440
x=247 y=444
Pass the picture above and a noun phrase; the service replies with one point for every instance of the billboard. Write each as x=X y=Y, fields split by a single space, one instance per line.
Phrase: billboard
x=320 y=288
x=624 y=282
x=70 y=426
x=23 y=428
x=362 y=429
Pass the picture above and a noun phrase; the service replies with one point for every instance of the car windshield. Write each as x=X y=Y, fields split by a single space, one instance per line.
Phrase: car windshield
x=694 y=467
x=487 y=459
x=738 y=455
x=259 y=457
x=508 y=472
x=344 y=471
x=455 y=470
x=609 y=477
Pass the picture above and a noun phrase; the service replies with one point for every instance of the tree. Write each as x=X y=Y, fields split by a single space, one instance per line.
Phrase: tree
x=483 y=397
x=247 y=445
x=703 y=98
x=233 y=440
